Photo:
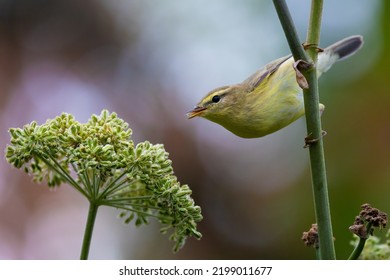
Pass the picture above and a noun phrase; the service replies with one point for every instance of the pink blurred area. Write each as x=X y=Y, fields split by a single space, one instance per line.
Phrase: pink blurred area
x=150 y=63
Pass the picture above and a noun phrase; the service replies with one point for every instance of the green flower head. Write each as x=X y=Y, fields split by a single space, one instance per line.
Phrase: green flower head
x=99 y=159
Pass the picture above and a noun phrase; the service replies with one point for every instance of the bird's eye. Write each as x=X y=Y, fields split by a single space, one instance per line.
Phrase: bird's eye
x=216 y=98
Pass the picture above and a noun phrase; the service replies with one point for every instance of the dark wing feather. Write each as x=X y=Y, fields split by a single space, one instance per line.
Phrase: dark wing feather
x=254 y=80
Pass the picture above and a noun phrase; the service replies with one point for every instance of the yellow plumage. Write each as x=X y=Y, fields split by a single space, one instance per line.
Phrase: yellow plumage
x=271 y=98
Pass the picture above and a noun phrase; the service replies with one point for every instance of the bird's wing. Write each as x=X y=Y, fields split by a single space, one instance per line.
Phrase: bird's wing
x=255 y=80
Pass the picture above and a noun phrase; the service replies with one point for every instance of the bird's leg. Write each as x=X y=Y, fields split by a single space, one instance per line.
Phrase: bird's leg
x=322 y=109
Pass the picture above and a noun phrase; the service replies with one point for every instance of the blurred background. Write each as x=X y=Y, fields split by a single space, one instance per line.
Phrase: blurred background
x=151 y=62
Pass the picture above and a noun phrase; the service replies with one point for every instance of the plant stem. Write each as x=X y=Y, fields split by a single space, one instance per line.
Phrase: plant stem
x=289 y=30
x=317 y=162
x=317 y=157
x=360 y=246
x=313 y=121
x=314 y=28
x=93 y=207
x=358 y=249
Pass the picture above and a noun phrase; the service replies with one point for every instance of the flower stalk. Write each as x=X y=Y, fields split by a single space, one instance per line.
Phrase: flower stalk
x=92 y=212
x=305 y=66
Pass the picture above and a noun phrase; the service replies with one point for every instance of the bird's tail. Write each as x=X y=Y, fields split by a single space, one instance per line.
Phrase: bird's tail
x=338 y=51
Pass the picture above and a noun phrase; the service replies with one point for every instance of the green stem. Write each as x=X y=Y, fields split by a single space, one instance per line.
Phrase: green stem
x=313 y=30
x=130 y=209
x=111 y=188
x=360 y=246
x=289 y=30
x=358 y=249
x=53 y=164
x=313 y=121
x=317 y=156
x=318 y=170
x=84 y=181
x=93 y=208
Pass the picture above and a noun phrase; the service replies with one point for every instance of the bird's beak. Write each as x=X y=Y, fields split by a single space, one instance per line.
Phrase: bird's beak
x=195 y=112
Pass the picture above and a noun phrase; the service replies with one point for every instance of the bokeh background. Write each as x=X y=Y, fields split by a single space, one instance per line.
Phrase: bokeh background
x=151 y=61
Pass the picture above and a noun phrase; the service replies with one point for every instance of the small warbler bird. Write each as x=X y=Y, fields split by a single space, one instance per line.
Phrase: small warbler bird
x=271 y=98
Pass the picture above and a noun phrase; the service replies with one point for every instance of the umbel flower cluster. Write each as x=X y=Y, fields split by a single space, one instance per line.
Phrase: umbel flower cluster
x=99 y=159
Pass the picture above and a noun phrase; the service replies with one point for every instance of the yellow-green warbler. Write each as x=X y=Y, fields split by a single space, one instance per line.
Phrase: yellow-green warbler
x=271 y=98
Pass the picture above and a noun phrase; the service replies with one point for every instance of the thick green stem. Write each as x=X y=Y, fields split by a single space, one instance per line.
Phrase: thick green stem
x=93 y=208
x=313 y=121
x=317 y=157
x=318 y=170
x=289 y=30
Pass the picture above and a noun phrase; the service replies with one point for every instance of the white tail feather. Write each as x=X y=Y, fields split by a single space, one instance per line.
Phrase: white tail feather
x=338 y=51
